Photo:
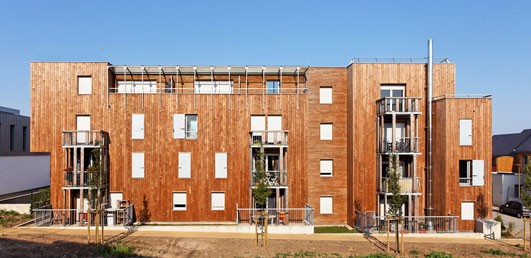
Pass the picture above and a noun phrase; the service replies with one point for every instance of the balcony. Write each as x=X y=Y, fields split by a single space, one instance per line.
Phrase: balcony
x=402 y=145
x=400 y=105
x=268 y=138
x=96 y=138
x=87 y=179
x=406 y=184
x=275 y=178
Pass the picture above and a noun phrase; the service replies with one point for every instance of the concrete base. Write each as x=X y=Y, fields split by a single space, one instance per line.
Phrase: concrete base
x=489 y=228
x=22 y=208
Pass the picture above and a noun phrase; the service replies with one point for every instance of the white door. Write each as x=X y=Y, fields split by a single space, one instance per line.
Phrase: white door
x=83 y=124
x=478 y=172
x=184 y=165
x=465 y=132
x=137 y=127
x=137 y=165
x=274 y=123
x=179 y=126
x=221 y=165
x=257 y=126
x=114 y=198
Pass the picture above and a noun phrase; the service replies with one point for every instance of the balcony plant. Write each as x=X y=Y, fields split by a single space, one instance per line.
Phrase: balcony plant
x=279 y=142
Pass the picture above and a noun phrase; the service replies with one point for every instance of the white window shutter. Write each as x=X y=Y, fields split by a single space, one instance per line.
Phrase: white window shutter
x=179 y=126
x=218 y=201
x=478 y=172
x=326 y=167
x=221 y=165
x=84 y=85
x=137 y=164
x=465 y=132
x=325 y=205
x=137 y=127
x=179 y=201
x=325 y=95
x=326 y=132
x=257 y=123
x=467 y=210
x=184 y=165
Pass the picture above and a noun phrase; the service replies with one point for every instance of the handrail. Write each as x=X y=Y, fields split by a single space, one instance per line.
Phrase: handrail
x=233 y=91
x=85 y=138
x=398 y=105
x=268 y=137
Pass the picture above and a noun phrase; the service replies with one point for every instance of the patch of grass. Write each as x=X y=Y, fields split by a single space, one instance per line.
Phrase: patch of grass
x=414 y=252
x=435 y=254
x=334 y=229
x=11 y=218
x=115 y=250
x=501 y=252
x=377 y=255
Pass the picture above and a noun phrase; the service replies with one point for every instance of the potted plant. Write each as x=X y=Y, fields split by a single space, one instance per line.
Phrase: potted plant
x=279 y=142
x=68 y=175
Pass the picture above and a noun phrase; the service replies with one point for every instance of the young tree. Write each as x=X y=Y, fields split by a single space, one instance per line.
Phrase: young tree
x=261 y=192
x=98 y=180
x=526 y=189
x=393 y=187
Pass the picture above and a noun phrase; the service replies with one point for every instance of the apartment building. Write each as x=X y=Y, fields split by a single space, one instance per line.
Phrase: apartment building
x=180 y=142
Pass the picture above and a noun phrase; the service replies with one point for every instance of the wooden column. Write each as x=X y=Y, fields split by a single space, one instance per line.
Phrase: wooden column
x=281 y=164
x=74 y=168
x=393 y=133
x=81 y=175
x=411 y=134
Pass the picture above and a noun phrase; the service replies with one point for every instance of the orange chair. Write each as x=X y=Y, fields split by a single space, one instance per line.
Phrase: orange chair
x=282 y=217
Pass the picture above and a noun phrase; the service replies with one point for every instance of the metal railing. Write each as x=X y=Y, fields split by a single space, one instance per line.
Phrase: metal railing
x=369 y=223
x=46 y=216
x=398 y=104
x=403 y=145
x=274 y=178
x=88 y=179
x=269 y=137
x=85 y=138
x=406 y=184
x=465 y=181
x=196 y=91
x=277 y=216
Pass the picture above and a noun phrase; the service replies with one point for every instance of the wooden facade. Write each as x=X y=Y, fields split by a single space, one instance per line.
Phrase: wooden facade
x=223 y=125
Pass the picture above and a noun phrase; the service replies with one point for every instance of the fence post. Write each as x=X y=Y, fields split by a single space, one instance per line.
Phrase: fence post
x=237 y=215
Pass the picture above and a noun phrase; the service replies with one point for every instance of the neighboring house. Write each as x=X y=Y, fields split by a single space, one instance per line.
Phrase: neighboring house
x=21 y=172
x=180 y=141
x=511 y=153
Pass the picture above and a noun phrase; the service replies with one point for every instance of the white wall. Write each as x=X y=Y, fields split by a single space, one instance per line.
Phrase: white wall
x=501 y=182
x=19 y=173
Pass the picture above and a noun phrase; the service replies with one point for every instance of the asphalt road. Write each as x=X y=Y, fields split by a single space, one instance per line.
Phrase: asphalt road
x=518 y=223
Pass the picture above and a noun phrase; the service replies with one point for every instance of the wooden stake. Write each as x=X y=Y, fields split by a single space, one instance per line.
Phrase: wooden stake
x=88 y=227
x=525 y=244
x=387 y=217
x=96 y=224
x=102 y=225
x=402 y=233
x=265 y=232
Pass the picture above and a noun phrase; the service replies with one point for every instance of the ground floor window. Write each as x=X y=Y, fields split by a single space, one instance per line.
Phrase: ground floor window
x=467 y=210
x=325 y=205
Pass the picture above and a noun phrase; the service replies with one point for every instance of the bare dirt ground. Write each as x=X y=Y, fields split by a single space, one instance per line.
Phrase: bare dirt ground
x=53 y=245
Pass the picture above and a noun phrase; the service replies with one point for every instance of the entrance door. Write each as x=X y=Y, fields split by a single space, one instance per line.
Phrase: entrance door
x=83 y=124
x=274 y=123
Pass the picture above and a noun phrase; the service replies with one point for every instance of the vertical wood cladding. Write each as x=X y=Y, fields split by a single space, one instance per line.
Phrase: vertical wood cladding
x=55 y=104
x=335 y=113
x=364 y=87
x=447 y=191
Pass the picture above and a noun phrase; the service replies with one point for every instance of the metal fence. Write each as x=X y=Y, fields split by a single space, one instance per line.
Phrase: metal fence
x=46 y=216
x=370 y=223
x=276 y=216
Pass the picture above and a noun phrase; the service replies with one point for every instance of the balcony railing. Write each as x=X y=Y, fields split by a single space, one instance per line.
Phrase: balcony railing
x=465 y=181
x=403 y=145
x=398 y=105
x=276 y=216
x=406 y=184
x=88 y=179
x=85 y=138
x=275 y=178
x=272 y=137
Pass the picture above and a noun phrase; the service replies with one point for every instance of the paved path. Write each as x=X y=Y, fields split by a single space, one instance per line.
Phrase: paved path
x=329 y=237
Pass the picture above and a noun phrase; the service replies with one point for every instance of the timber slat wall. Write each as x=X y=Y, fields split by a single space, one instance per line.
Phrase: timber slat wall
x=364 y=89
x=336 y=149
x=55 y=104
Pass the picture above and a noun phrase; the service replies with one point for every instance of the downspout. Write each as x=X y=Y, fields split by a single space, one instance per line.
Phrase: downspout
x=430 y=97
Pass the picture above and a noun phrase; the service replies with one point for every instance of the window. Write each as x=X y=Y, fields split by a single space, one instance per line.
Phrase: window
x=221 y=165
x=24 y=138
x=326 y=167
x=467 y=210
x=179 y=201
x=325 y=95
x=84 y=85
x=11 y=137
x=137 y=164
x=325 y=206
x=184 y=126
x=184 y=165
x=465 y=169
x=137 y=127
x=326 y=131
x=273 y=87
x=213 y=87
x=465 y=132
x=471 y=172
x=218 y=201
x=83 y=125
x=394 y=91
x=137 y=86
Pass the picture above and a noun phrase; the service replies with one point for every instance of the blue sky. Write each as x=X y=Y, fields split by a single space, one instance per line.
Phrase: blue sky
x=490 y=41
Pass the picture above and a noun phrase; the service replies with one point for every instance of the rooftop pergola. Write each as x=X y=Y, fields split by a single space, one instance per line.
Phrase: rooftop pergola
x=209 y=70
